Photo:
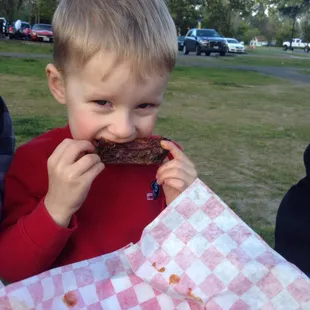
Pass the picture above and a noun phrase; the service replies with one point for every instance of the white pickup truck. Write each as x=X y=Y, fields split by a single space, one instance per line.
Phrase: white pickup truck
x=297 y=43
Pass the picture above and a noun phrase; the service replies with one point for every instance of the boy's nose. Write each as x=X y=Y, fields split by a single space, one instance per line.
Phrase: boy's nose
x=122 y=129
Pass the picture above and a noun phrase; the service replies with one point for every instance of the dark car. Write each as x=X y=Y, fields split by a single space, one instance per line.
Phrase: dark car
x=204 y=41
x=22 y=33
x=181 y=42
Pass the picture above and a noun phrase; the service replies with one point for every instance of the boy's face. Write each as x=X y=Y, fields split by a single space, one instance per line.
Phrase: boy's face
x=112 y=106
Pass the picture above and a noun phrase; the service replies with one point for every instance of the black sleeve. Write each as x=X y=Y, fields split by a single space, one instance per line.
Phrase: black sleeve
x=292 y=233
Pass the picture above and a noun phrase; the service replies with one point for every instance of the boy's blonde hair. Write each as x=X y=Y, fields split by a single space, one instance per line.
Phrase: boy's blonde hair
x=140 y=32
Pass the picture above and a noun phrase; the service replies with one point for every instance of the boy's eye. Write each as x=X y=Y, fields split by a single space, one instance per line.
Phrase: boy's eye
x=101 y=102
x=144 y=106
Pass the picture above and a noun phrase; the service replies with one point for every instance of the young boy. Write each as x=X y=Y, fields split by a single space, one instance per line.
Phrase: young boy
x=292 y=234
x=111 y=64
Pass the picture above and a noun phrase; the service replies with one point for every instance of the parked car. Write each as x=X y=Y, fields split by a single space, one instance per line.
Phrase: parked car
x=22 y=33
x=204 y=41
x=4 y=28
x=296 y=43
x=42 y=32
x=181 y=42
x=234 y=46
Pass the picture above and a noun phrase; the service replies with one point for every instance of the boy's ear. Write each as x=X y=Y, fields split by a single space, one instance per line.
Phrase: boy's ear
x=55 y=83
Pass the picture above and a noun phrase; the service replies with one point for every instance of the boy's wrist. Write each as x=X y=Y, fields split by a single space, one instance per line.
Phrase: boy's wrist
x=61 y=219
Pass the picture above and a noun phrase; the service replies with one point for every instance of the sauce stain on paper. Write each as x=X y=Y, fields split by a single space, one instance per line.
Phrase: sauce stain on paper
x=174 y=279
x=162 y=269
x=69 y=300
x=191 y=295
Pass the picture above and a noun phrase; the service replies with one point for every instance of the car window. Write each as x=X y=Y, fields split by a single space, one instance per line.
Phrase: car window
x=207 y=33
x=25 y=25
x=190 y=33
x=232 y=41
x=42 y=27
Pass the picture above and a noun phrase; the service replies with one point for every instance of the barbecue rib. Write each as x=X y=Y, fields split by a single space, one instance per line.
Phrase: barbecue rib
x=142 y=151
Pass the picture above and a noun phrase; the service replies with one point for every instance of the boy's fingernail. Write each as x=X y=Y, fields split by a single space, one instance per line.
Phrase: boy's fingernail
x=163 y=142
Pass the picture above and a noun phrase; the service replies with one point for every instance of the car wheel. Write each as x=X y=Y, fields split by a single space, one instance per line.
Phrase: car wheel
x=185 y=50
x=207 y=53
x=223 y=54
x=198 y=50
x=11 y=37
x=285 y=47
x=307 y=49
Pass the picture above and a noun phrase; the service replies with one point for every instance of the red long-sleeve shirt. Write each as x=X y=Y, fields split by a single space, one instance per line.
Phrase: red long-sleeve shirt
x=114 y=214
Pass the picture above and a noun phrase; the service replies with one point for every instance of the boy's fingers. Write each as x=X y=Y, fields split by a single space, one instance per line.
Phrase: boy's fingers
x=177 y=184
x=74 y=149
x=175 y=151
x=175 y=173
x=175 y=163
x=59 y=150
x=86 y=163
x=93 y=172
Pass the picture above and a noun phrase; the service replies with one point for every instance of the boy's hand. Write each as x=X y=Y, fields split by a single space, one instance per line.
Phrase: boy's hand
x=176 y=175
x=70 y=175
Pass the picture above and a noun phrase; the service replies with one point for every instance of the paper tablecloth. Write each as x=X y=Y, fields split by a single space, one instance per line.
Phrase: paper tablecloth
x=197 y=254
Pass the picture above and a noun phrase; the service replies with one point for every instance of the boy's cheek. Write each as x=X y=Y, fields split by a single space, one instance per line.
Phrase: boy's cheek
x=82 y=126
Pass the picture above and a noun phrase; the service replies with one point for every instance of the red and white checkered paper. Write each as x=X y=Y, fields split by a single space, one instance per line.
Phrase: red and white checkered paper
x=196 y=255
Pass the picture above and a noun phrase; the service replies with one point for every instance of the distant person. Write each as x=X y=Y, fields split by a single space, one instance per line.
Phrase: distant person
x=7 y=145
x=2 y=30
x=112 y=61
x=292 y=234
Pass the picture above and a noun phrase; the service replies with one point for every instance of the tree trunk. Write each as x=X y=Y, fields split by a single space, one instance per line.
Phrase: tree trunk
x=293 y=29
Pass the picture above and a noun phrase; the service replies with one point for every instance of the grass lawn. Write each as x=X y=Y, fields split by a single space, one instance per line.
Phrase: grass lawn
x=17 y=46
x=242 y=129
x=266 y=61
x=304 y=71
x=275 y=51
x=247 y=60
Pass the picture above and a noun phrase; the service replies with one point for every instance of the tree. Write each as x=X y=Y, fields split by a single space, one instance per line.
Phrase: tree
x=8 y=8
x=283 y=32
x=185 y=13
x=250 y=34
x=292 y=9
x=305 y=28
x=224 y=15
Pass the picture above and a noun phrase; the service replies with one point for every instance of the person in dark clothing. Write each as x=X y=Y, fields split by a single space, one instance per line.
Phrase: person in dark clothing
x=2 y=32
x=292 y=234
x=7 y=145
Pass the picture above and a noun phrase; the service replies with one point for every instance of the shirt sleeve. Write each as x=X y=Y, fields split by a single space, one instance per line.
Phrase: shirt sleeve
x=7 y=145
x=30 y=241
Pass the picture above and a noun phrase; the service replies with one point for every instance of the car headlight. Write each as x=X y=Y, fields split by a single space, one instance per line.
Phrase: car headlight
x=203 y=41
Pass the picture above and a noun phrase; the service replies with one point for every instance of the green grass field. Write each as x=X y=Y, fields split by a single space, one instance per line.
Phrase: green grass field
x=15 y=46
x=267 y=61
x=276 y=52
